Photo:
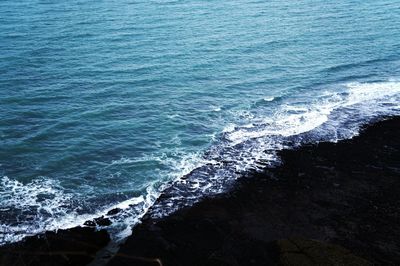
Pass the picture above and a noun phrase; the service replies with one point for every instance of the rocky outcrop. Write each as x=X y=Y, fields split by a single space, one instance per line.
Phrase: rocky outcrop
x=343 y=193
x=77 y=246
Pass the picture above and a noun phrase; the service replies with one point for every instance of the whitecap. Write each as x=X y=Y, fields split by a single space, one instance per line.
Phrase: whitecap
x=248 y=145
x=269 y=99
x=252 y=144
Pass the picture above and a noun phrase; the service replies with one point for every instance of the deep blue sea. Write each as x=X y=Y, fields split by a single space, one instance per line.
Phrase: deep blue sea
x=106 y=104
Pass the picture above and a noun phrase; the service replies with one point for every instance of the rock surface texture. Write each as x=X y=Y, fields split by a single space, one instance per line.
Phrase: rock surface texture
x=329 y=204
x=344 y=193
x=77 y=246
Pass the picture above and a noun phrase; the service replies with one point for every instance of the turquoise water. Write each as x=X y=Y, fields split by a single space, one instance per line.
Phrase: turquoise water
x=104 y=103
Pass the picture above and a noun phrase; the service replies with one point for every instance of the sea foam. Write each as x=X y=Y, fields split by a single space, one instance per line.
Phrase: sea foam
x=249 y=145
x=329 y=115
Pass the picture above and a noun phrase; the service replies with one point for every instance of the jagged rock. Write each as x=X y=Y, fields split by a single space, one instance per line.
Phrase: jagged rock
x=102 y=221
x=114 y=211
x=90 y=223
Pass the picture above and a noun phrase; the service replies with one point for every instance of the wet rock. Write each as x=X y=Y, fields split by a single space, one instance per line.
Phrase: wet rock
x=90 y=223
x=114 y=211
x=102 y=221
x=76 y=246
x=298 y=198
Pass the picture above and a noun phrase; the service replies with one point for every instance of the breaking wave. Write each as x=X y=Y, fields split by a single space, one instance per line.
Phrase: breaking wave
x=251 y=144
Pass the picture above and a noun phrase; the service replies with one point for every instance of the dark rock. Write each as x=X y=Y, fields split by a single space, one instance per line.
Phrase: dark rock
x=90 y=223
x=102 y=221
x=304 y=252
x=296 y=199
x=76 y=246
x=114 y=211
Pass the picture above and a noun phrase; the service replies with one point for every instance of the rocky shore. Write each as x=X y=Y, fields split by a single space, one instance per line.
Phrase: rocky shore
x=327 y=204
x=345 y=196
x=76 y=246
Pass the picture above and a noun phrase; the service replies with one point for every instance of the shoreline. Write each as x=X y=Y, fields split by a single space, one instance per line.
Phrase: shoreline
x=336 y=193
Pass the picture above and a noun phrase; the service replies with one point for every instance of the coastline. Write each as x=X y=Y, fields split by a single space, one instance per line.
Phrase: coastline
x=337 y=193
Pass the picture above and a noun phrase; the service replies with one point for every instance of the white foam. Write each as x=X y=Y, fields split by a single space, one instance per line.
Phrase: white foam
x=363 y=92
x=269 y=99
x=16 y=194
x=332 y=114
x=58 y=203
x=229 y=128
x=45 y=199
x=307 y=118
x=127 y=203
x=329 y=116
x=132 y=216
x=124 y=160
x=144 y=158
x=50 y=206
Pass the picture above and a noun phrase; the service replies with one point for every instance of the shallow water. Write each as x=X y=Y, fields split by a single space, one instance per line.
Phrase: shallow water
x=102 y=103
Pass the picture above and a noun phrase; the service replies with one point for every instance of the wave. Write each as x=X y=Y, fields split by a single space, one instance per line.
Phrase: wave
x=250 y=144
x=371 y=62
x=269 y=99
x=44 y=205
x=41 y=200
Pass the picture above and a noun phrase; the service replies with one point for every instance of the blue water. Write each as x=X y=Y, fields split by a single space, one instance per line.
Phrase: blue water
x=107 y=104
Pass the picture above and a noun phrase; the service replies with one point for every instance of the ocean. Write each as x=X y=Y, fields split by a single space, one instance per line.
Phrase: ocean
x=108 y=104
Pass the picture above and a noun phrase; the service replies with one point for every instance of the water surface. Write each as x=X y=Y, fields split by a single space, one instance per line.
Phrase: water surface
x=102 y=103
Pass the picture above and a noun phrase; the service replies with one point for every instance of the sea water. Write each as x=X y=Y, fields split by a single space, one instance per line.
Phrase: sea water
x=108 y=104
